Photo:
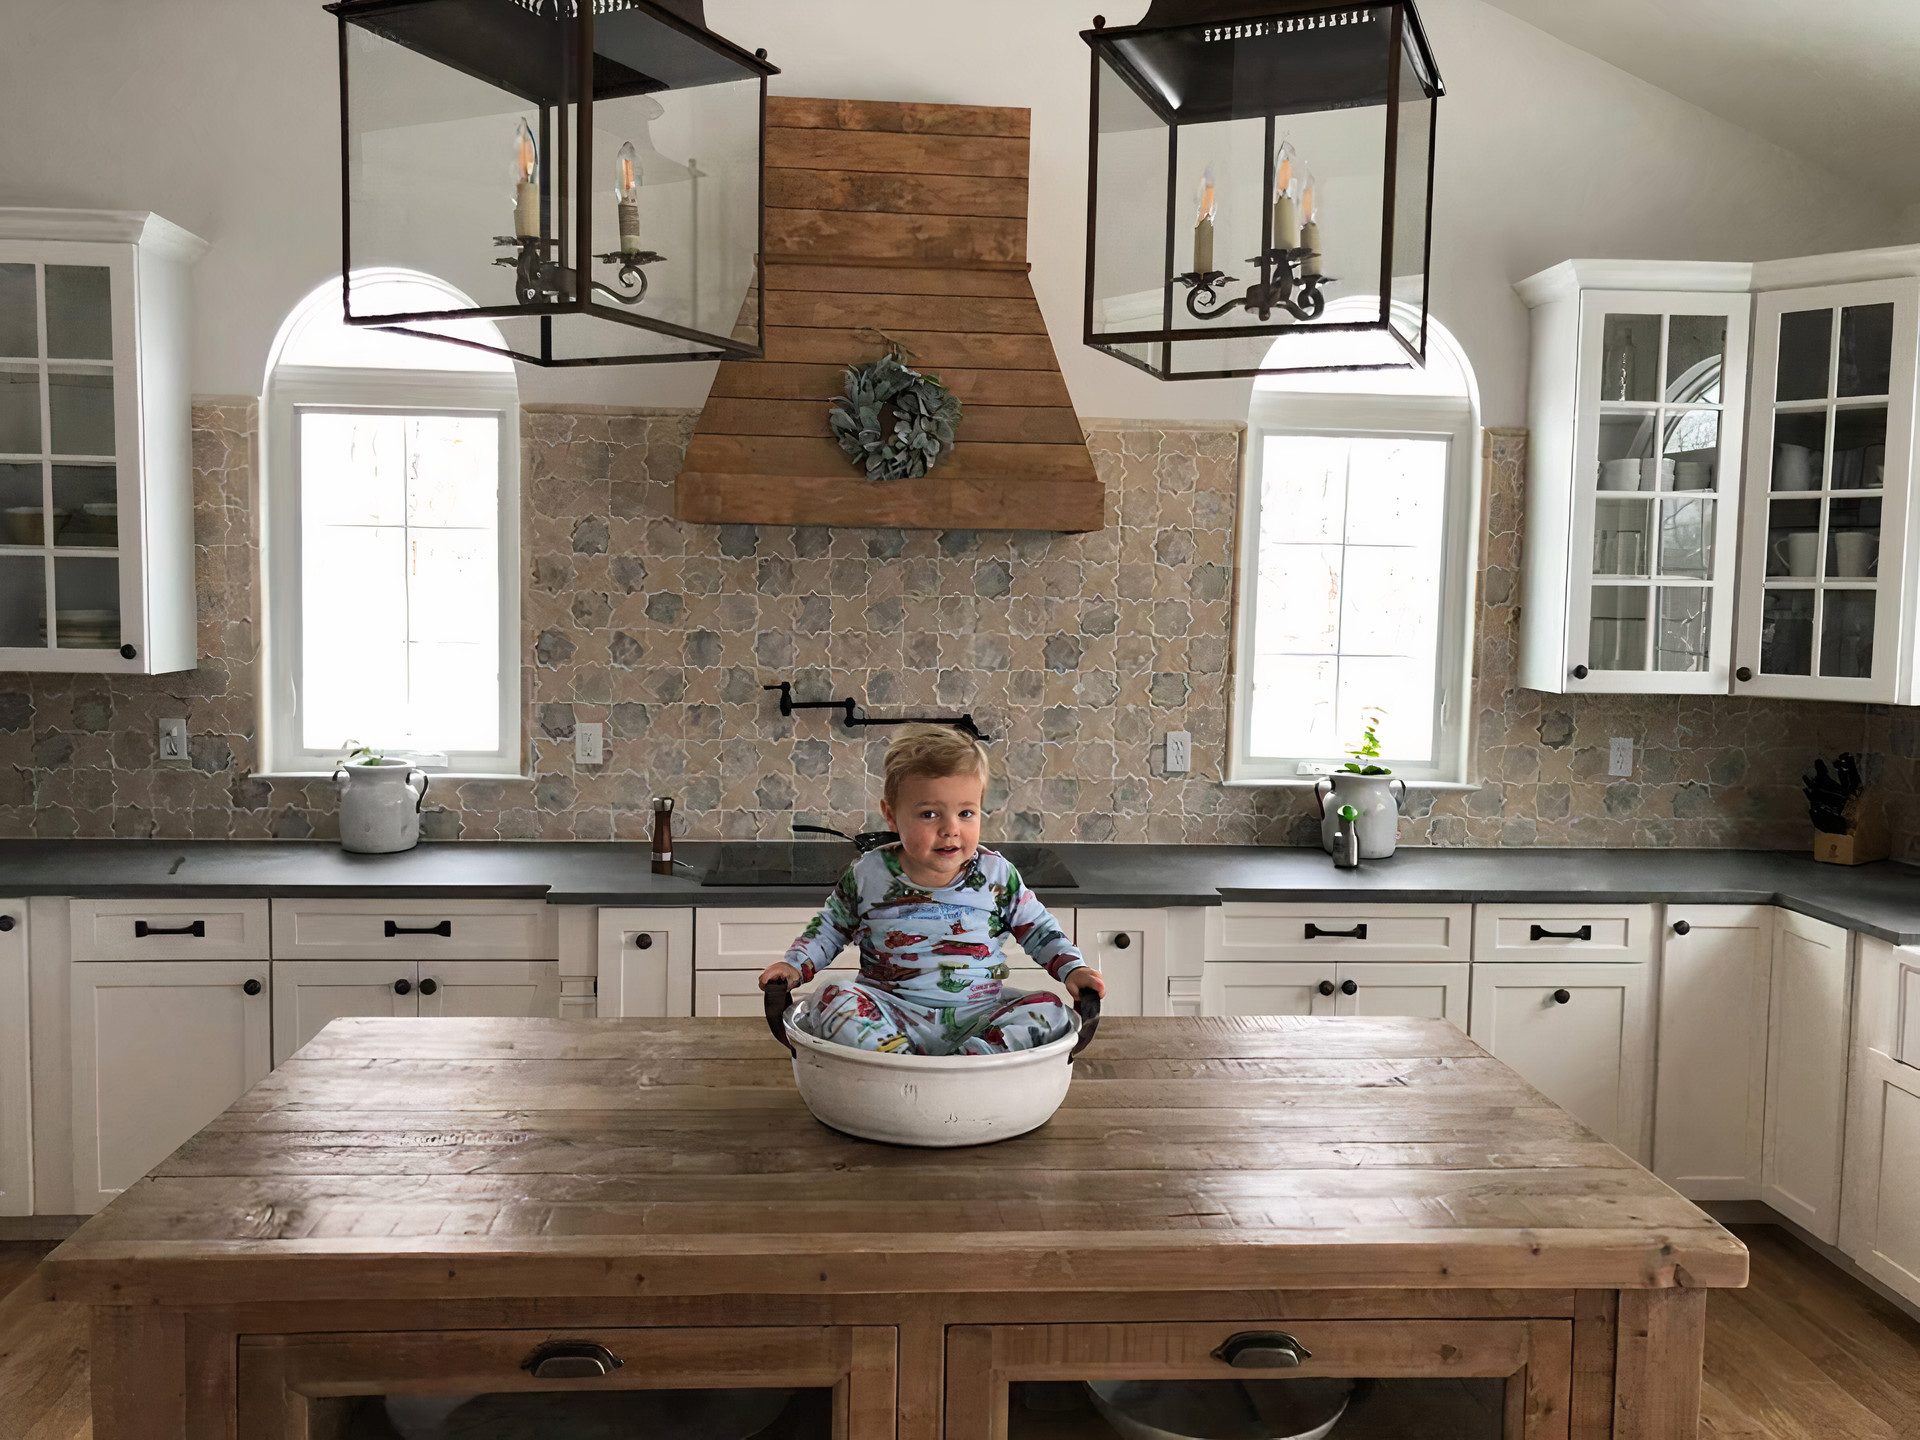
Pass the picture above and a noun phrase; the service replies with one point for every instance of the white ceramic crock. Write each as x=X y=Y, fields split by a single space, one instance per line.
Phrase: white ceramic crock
x=379 y=807
x=1378 y=802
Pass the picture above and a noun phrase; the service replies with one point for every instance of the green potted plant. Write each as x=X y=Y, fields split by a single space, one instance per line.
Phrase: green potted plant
x=1367 y=786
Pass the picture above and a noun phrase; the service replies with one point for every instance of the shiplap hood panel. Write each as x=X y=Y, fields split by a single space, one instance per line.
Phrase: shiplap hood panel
x=903 y=222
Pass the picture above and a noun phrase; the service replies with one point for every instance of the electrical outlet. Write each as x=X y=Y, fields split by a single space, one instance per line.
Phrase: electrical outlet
x=1620 y=755
x=1179 y=752
x=173 y=743
x=589 y=748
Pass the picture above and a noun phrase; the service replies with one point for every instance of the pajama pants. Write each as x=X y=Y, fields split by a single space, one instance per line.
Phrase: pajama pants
x=987 y=1021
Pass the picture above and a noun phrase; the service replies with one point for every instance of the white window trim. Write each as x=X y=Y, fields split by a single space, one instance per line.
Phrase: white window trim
x=1451 y=418
x=290 y=387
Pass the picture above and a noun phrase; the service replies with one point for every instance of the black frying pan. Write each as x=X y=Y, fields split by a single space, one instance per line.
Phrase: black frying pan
x=863 y=842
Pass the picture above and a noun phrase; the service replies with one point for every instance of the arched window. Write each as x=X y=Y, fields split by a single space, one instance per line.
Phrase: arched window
x=390 y=540
x=1358 y=527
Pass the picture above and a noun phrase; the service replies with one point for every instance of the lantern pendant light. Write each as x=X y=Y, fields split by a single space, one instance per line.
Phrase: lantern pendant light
x=620 y=247
x=1293 y=141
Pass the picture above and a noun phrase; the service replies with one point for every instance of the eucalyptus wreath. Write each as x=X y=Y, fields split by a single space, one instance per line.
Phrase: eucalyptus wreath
x=893 y=420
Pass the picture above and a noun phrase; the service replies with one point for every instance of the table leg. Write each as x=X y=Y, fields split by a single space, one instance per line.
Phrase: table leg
x=1656 y=1380
x=139 y=1359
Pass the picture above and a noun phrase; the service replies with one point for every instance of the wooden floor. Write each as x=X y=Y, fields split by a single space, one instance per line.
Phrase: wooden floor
x=1804 y=1353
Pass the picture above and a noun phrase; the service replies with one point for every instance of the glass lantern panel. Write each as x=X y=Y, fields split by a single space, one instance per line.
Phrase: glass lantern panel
x=1696 y=353
x=1846 y=634
x=1412 y=158
x=1630 y=357
x=1793 y=539
x=1853 y=539
x=86 y=506
x=1866 y=350
x=79 y=312
x=22 y=514
x=19 y=313
x=1690 y=448
x=1800 y=450
x=1682 y=628
x=86 y=604
x=80 y=407
x=1686 y=537
x=1806 y=355
x=1860 y=447
x=1621 y=544
x=19 y=411
x=23 y=601
x=1617 y=633
x=1786 y=632
x=1130 y=242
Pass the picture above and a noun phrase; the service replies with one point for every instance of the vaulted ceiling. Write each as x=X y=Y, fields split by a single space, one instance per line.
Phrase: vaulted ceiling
x=1835 y=81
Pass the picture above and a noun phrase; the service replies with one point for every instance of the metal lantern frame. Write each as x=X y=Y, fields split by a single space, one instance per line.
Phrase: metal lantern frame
x=571 y=167
x=1277 y=287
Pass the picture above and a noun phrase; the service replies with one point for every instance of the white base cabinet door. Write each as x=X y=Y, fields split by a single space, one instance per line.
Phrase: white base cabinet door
x=159 y=1049
x=1437 y=991
x=645 y=962
x=309 y=994
x=1268 y=987
x=470 y=989
x=1580 y=1034
x=1807 y=1072
x=16 y=1071
x=1427 y=992
x=1880 y=1199
x=1710 y=1090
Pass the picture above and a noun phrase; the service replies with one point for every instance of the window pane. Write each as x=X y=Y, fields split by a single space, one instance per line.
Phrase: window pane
x=19 y=312
x=19 y=411
x=1617 y=633
x=86 y=604
x=1294 y=706
x=1866 y=349
x=1846 y=634
x=1806 y=351
x=1299 y=599
x=80 y=312
x=1630 y=357
x=1304 y=477
x=1680 y=635
x=1800 y=451
x=1786 y=632
x=1686 y=538
x=80 y=407
x=23 y=601
x=1860 y=448
x=1695 y=347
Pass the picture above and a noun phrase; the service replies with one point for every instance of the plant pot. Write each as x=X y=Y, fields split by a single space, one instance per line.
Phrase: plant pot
x=379 y=807
x=1378 y=802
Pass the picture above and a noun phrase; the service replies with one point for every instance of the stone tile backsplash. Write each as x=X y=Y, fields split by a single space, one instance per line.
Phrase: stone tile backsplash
x=1076 y=652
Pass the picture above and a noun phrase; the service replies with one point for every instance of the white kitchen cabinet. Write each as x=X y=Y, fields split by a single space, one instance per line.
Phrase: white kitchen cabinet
x=16 y=1065
x=96 y=462
x=1315 y=933
x=1434 y=991
x=159 y=1048
x=1880 y=1196
x=646 y=962
x=1268 y=987
x=1557 y=934
x=1710 y=1089
x=469 y=989
x=339 y=929
x=1827 y=593
x=167 y=930
x=1580 y=1033
x=307 y=994
x=1127 y=947
x=1638 y=384
x=1808 y=1029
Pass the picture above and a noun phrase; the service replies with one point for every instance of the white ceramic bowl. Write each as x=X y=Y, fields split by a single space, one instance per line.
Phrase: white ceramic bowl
x=934 y=1101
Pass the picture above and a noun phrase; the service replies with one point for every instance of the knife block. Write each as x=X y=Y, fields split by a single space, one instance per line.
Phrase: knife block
x=1866 y=838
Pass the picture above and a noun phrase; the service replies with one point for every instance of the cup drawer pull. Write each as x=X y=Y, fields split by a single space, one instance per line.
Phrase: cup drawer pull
x=1358 y=932
x=1262 y=1350
x=571 y=1360
x=1540 y=932
x=444 y=929
x=195 y=928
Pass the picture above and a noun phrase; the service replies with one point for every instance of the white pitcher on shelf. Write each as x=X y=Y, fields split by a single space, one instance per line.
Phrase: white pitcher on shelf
x=1367 y=787
x=379 y=804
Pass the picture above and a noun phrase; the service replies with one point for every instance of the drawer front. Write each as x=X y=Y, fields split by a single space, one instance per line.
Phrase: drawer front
x=753 y=939
x=414 y=930
x=1519 y=933
x=168 y=929
x=1324 y=933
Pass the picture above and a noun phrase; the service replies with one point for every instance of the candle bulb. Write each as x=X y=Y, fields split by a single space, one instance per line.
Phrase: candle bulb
x=1203 y=227
x=627 y=197
x=1310 y=229
x=526 y=191
x=1286 y=215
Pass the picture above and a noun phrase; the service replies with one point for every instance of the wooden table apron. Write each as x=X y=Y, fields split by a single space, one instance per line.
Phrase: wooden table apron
x=540 y=1175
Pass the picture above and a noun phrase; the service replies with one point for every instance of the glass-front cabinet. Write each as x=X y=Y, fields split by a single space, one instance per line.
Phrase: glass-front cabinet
x=1633 y=495
x=1825 y=596
x=96 y=493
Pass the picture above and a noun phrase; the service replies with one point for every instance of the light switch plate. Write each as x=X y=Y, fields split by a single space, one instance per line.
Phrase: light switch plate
x=1179 y=752
x=589 y=745
x=1620 y=755
x=173 y=743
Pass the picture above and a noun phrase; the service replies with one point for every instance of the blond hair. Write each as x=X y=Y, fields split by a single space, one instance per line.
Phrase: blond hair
x=932 y=752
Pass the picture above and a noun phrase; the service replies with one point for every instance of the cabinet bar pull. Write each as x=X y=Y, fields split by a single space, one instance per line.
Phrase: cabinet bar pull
x=196 y=928
x=443 y=929
x=571 y=1360
x=1540 y=932
x=1358 y=932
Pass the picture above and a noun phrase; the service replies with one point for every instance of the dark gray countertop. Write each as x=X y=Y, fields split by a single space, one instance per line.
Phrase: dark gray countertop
x=1881 y=899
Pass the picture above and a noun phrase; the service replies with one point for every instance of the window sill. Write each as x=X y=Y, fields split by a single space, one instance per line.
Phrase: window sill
x=1307 y=782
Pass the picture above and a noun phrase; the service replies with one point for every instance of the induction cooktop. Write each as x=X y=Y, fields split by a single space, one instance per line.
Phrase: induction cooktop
x=818 y=865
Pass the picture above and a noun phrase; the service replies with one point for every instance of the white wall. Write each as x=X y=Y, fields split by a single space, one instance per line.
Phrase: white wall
x=221 y=115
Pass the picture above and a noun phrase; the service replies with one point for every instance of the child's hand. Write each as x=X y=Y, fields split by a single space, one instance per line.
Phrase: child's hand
x=1085 y=978
x=779 y=970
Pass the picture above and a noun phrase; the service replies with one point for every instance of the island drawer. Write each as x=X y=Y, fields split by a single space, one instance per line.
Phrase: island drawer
x=1620 y=933
x=168 y=929
x=1319 y=933
x=414 y=930
x=1470 y=1379
x=538 y=1383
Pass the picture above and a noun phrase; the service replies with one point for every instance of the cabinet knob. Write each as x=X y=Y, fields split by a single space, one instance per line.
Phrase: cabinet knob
x=6 y=923
x=1579 y=672
x=1347 y=987
x=1743 y=673
x=403 y=987
x=1681 y=927
x=252 y=987
x=127 y=652
x=1326 y=987
x=429 y=987
x=643 y=941
x=1561 y=997
x=1122 y=940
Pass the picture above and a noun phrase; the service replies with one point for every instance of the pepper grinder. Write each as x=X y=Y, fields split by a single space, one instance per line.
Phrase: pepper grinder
x=663 y=835
x=1346 y=839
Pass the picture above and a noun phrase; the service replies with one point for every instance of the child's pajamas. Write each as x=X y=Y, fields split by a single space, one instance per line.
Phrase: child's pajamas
x=930 y=960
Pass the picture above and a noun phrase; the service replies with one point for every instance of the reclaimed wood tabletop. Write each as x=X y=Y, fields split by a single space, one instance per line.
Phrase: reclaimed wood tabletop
x=446 y=1159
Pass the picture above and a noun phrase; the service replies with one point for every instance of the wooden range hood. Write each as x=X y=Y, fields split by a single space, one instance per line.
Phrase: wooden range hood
x=906 y=222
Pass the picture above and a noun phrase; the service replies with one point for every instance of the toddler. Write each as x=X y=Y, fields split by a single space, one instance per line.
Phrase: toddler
x=928 y=915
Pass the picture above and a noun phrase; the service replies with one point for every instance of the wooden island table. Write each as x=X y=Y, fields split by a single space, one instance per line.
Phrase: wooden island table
x=513 y=1208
